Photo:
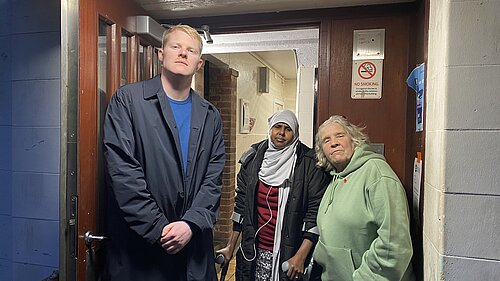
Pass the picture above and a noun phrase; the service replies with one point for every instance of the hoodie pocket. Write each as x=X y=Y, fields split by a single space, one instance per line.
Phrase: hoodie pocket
x=336 y=262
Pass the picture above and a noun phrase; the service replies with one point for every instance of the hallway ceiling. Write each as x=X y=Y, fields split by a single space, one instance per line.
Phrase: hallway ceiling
x=172 y=9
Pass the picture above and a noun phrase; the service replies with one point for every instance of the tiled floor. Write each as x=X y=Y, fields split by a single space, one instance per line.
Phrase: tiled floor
x=230 y=271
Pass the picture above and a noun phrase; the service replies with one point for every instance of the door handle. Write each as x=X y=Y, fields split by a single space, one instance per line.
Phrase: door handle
x=89 y=238
x=90 y=256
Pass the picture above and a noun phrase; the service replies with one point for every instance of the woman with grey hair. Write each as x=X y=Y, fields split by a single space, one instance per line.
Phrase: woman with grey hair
x=277 y=198
x=363 y=218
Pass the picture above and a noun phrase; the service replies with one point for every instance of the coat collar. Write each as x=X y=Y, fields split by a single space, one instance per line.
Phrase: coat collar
x=152 y=87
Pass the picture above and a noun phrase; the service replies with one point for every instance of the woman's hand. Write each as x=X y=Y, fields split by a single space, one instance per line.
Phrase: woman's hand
x=227 y=252
x=296 y=263
x=295 y=268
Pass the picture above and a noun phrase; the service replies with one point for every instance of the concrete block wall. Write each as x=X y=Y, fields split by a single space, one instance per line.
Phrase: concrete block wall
x=5 y=142
x=29 y=138
x=462 y=195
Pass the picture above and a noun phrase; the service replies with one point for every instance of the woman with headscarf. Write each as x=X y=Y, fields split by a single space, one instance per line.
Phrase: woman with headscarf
x=278 y=192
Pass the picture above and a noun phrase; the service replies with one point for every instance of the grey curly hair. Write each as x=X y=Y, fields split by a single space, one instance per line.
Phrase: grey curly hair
x=355 y=133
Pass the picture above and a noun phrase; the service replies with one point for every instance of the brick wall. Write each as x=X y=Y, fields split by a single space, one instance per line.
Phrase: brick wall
x=221 y=92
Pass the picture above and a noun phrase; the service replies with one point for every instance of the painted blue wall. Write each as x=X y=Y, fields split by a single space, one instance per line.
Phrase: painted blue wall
x=5 y=143
x=29 y=138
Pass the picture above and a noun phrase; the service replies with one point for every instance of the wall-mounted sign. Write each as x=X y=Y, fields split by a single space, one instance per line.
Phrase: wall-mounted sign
x=417 y=180
x=244 y=116
x=368 y=44
x=366 y=79
x=416 y=81
x=367 y=62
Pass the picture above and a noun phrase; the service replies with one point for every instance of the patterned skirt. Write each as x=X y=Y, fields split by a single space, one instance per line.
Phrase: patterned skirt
x=264 y=264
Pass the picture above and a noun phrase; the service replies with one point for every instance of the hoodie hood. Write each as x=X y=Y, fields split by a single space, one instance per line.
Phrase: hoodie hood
x=361 y=155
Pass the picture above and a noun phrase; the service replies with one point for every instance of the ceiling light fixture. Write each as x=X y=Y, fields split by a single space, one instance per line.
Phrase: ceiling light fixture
x=206 y=33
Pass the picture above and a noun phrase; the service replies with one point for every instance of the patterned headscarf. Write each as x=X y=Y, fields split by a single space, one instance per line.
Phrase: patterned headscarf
x=278 y=163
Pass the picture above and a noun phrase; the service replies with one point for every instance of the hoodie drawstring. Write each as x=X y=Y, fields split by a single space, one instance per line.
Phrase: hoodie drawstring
x=334 y=187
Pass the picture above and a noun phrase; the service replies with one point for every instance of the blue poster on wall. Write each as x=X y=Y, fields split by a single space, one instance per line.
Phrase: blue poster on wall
x=416 y=81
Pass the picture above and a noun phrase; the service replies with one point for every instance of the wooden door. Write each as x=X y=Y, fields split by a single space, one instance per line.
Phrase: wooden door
x=385 y=119
x=109 y=57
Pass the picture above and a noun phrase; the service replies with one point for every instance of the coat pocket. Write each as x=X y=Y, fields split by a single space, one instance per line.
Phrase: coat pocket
x=336 y=262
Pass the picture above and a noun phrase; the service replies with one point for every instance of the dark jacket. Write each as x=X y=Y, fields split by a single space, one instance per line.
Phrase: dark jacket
x=308 y=185
x=148 y=188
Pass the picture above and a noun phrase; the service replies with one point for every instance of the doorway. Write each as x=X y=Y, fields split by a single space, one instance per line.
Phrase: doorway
x=289 y=59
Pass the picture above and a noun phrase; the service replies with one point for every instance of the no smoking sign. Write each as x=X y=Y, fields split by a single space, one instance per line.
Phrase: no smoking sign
x=366 y=79
x=367 y=70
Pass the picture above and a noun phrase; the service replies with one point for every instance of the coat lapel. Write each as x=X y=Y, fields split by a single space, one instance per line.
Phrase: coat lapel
x=153 y=87
x=254 y=183
x=199 y=110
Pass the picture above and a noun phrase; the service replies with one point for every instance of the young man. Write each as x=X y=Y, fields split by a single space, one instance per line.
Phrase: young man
x=164 y=156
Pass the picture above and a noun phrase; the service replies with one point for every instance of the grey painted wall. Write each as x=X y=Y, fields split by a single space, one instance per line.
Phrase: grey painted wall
x=29 y=138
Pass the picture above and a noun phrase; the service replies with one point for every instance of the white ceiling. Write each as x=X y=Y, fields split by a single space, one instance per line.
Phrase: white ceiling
x=172 y=9
x=283 y=51
x=283 y=62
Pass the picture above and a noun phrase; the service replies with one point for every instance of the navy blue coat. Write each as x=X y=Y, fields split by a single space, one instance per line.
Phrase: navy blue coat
x=148 y=188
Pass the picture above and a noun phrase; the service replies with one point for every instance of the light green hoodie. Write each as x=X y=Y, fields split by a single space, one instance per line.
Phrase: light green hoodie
x=363 y=222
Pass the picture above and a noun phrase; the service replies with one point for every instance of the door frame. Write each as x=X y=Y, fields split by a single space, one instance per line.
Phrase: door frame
x=80 y=128
x=68 y=157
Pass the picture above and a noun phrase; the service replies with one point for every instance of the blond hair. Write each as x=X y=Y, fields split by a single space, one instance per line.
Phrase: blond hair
x=355 y=133
x=186 y=29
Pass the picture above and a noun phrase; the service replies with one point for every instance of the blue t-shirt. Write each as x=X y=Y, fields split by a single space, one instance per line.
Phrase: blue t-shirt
x=182 y=115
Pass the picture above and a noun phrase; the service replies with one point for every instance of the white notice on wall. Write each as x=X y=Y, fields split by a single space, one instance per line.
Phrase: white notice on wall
x=417 y=178
x=366 y=79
